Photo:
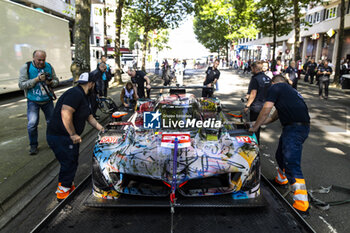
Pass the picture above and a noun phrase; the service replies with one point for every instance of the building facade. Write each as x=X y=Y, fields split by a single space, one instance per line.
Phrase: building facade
x=318 y=40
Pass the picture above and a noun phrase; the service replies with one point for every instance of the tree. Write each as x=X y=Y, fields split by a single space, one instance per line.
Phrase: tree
x=238 y=15
x=273 y=20
x=118 y=25
x=150 y=15
x=81 y=62
x=105 y=49
x=340 y=43
x=296 y=11
x=211 y=33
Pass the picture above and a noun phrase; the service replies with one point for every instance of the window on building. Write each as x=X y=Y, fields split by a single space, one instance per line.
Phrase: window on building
x=317 y=17
x=302 y=22
x=96 y=28
x=331 y=13
x=348 y=9
x=309 y=19
x=123 y=43
x=96 y=11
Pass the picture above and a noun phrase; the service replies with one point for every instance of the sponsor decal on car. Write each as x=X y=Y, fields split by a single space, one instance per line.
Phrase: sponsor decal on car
x=168 y=139
x=244 y=139
x=108 y=139
x=153 y=120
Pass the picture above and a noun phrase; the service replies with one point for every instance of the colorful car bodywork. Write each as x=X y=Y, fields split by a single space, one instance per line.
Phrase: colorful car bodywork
x=130 y=159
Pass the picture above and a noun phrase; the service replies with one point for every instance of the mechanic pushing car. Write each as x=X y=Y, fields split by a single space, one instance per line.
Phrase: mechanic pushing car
x=64 y=130
x=294 y=117
x=36 y=78
x=212 y=76
x=138 y=78
x=257 y=91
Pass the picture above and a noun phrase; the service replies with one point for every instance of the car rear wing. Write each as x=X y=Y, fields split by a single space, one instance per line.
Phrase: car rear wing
x=180 y=89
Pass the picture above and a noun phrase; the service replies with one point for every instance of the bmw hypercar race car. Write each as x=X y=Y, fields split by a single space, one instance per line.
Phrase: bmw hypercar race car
x=177 y=143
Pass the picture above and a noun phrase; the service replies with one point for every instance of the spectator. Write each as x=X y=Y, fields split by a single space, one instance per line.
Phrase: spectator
x=277 y=69
x=324 y=73
x=311 y=70
x=98 y=87
x=106 y=76
x=305 y=67
x=36 y=78
x=292 y=75
x=128 y=96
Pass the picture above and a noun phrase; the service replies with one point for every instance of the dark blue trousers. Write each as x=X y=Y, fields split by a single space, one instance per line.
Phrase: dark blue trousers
x=288 y=154
x=67 y=155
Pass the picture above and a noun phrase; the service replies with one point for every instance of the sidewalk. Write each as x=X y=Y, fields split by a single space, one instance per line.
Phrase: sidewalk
x=23 y=176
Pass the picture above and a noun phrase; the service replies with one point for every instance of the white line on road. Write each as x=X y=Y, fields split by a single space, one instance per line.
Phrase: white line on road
x=331 y=229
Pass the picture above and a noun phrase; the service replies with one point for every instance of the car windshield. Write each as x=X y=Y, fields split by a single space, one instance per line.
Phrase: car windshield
x=176 y=113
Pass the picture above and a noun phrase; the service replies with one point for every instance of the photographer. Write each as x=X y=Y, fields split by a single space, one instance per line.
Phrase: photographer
x=36 y=78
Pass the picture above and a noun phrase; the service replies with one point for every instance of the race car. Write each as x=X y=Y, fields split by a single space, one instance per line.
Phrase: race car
x=179 y=144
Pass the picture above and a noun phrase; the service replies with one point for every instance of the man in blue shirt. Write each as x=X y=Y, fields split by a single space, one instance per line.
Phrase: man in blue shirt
x=63 y=132
x=35 y=79
x=294 y=116
x=106 y=76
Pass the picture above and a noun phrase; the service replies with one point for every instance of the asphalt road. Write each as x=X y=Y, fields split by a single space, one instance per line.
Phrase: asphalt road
x=325 y=155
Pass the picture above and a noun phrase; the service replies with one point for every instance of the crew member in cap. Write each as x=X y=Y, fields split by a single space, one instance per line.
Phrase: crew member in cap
x=67 y=124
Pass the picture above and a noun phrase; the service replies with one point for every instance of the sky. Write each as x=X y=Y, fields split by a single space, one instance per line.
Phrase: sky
x=183 y=42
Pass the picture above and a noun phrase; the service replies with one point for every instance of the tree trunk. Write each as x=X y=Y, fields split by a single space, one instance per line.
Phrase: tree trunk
x=296 y=51
x=145 y=39
x=274 y=37
x=81 y=62
x=118 y=74
x=340 y=43
x=104 y=27
x=144 y=50
x=227 y=49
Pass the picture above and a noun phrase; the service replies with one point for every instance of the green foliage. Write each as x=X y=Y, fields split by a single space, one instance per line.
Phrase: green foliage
x=157 y=14
x=237 y=15
x=211 y=33
x=274 y=17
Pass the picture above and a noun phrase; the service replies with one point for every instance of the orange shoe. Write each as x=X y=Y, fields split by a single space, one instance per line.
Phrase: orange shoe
x=62 y=192
x=281 y=178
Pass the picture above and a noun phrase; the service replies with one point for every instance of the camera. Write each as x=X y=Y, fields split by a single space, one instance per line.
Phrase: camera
x=47 y=76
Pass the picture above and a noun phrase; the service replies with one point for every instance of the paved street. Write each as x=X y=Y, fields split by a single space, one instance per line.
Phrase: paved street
x=325 y=156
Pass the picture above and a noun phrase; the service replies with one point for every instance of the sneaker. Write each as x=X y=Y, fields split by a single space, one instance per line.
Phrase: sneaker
x=62 y=192
x=33 y=150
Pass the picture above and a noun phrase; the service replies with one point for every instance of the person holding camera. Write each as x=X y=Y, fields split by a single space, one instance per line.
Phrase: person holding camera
x=37 y=78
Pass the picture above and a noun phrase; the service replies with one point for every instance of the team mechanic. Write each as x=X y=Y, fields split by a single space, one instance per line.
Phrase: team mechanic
x=213 y=74
x=257 y=92
x=138 y=78
x=35 y=78
x=64 y=130
x=294 y=117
